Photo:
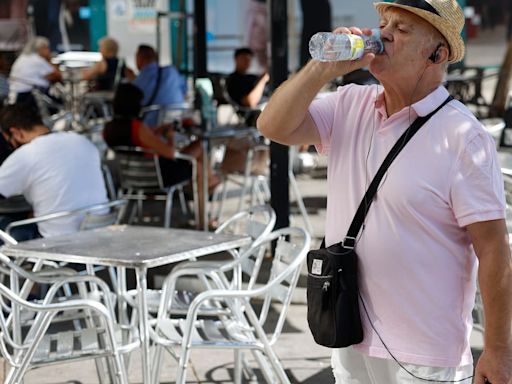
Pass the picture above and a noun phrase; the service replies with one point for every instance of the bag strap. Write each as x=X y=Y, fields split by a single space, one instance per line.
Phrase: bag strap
x=157 y=87
x=350 y=239
x=119 y=72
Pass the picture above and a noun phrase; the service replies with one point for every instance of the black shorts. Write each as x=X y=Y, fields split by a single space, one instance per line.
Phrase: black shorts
x=175 y=171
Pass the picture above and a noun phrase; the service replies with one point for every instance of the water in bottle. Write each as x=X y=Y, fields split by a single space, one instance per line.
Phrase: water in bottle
x=328 y=46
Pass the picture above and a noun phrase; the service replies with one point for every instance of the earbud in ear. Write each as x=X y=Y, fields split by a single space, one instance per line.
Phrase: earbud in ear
x=434 y=57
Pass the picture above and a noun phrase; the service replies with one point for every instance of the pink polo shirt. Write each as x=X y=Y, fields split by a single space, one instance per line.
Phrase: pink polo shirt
x=417 y=265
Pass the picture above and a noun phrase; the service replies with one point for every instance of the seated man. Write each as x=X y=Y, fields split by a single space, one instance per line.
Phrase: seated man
x=160 y=85
x=54 y=171
x=246 y=90
x=243 y=88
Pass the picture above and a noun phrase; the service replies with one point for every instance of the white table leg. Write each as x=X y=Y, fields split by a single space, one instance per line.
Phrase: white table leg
x=143 y=323
x=206 y=157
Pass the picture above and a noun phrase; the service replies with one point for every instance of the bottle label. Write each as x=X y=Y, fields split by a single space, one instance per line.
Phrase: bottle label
x=357 y=43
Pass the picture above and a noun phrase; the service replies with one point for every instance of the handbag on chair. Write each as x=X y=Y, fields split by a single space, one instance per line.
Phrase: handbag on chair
x=332 y=282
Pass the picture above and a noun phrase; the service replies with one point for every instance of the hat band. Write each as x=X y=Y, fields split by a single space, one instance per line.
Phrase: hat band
x=421 y=4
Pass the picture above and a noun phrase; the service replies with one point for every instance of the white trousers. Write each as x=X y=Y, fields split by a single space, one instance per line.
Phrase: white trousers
x=351 y=367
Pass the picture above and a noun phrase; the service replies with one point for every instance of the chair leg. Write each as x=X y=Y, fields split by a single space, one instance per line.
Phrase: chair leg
x=223 y=198
x=168 y=207
x=140 y=206
x=300 y=201
x=183 y=203
x=120 y=375
x=133 y=212
x=16 y=376
x=276 y=365
x=243 y=192
x=157 y=363
x=254 y=191
x=183 y=363
x=238 y=367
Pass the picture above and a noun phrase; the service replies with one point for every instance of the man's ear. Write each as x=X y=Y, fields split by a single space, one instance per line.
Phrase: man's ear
x=17 y=134
x=442 y=54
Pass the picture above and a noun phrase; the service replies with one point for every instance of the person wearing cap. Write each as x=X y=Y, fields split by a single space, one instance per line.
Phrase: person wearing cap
x=437 y=224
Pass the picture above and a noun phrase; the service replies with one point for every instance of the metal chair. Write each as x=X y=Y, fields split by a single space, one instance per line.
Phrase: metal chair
x=25 y=275
x=247 y=168
x=296 y=191
x=244 y=115
x=94 y=216
x=256 y=222
x=141 y=179
x=46 y=105
x=37 y=347
x=241 y=325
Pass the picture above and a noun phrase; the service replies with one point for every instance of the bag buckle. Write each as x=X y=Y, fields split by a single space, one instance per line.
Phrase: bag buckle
x=349 y=242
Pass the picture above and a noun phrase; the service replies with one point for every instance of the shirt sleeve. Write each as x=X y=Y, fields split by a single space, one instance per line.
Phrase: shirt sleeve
x=13 y=175
x=477 y=192
x=322 y=111
x=45 y=68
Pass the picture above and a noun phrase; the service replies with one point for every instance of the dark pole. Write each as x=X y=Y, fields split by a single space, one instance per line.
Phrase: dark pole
x=199 y=38
x=280 y=198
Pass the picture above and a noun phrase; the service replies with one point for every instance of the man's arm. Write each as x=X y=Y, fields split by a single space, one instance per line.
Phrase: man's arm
x=253 y=98
x=490 y=241
x=285 y=118
x=97 y=69
x=54 y=76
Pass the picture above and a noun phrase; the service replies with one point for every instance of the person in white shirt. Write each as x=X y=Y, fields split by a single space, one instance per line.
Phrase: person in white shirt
x=32 y=69
x=54 y=171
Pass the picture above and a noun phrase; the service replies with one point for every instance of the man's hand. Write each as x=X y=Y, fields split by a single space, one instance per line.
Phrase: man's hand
x=494 y=367
x=334 y=69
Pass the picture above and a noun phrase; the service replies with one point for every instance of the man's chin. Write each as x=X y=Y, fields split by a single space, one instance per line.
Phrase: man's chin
x=377 y=69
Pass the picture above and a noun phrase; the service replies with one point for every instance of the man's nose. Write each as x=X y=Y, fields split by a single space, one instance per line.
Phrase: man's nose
x=386 y=34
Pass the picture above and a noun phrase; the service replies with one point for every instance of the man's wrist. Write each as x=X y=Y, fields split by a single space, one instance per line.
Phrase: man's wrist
x=498 y=346
x=320 y=72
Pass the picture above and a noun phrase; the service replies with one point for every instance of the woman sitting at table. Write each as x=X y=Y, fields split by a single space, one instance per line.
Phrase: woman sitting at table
x=107 y=73
x=127 y=129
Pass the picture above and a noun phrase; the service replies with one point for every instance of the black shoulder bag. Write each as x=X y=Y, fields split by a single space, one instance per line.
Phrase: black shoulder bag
x=332 y=283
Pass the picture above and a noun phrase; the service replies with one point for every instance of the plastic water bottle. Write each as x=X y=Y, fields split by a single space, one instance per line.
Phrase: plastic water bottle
x=328 y=46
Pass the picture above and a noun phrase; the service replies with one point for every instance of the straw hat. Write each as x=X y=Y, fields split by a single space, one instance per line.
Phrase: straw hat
x=445 y=15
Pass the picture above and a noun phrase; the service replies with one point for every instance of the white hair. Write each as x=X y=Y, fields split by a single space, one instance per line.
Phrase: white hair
x=35 y=44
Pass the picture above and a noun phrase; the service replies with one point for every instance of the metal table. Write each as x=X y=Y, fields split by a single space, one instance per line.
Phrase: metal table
x=127 y=246
x=206 y=136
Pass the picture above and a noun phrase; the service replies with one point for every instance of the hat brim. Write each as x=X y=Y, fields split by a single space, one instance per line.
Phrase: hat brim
x=454 y=39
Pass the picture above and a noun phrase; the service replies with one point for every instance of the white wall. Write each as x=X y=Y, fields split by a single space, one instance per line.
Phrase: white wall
x=131 y=31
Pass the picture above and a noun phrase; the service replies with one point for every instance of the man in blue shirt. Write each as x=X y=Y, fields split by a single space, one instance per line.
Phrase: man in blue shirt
x=160 y=85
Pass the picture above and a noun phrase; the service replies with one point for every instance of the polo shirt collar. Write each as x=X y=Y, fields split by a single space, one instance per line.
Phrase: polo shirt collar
x=421 y=108
x=429 y=103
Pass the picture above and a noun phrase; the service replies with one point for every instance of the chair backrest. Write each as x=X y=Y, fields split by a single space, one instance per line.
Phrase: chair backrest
x=256 y=222
x=292 y=245
x=139 y=168
x=247 y=116
x=6 y=238
x=45 y=104
x=168 y=113
x=93 y=220
x=94 y=216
